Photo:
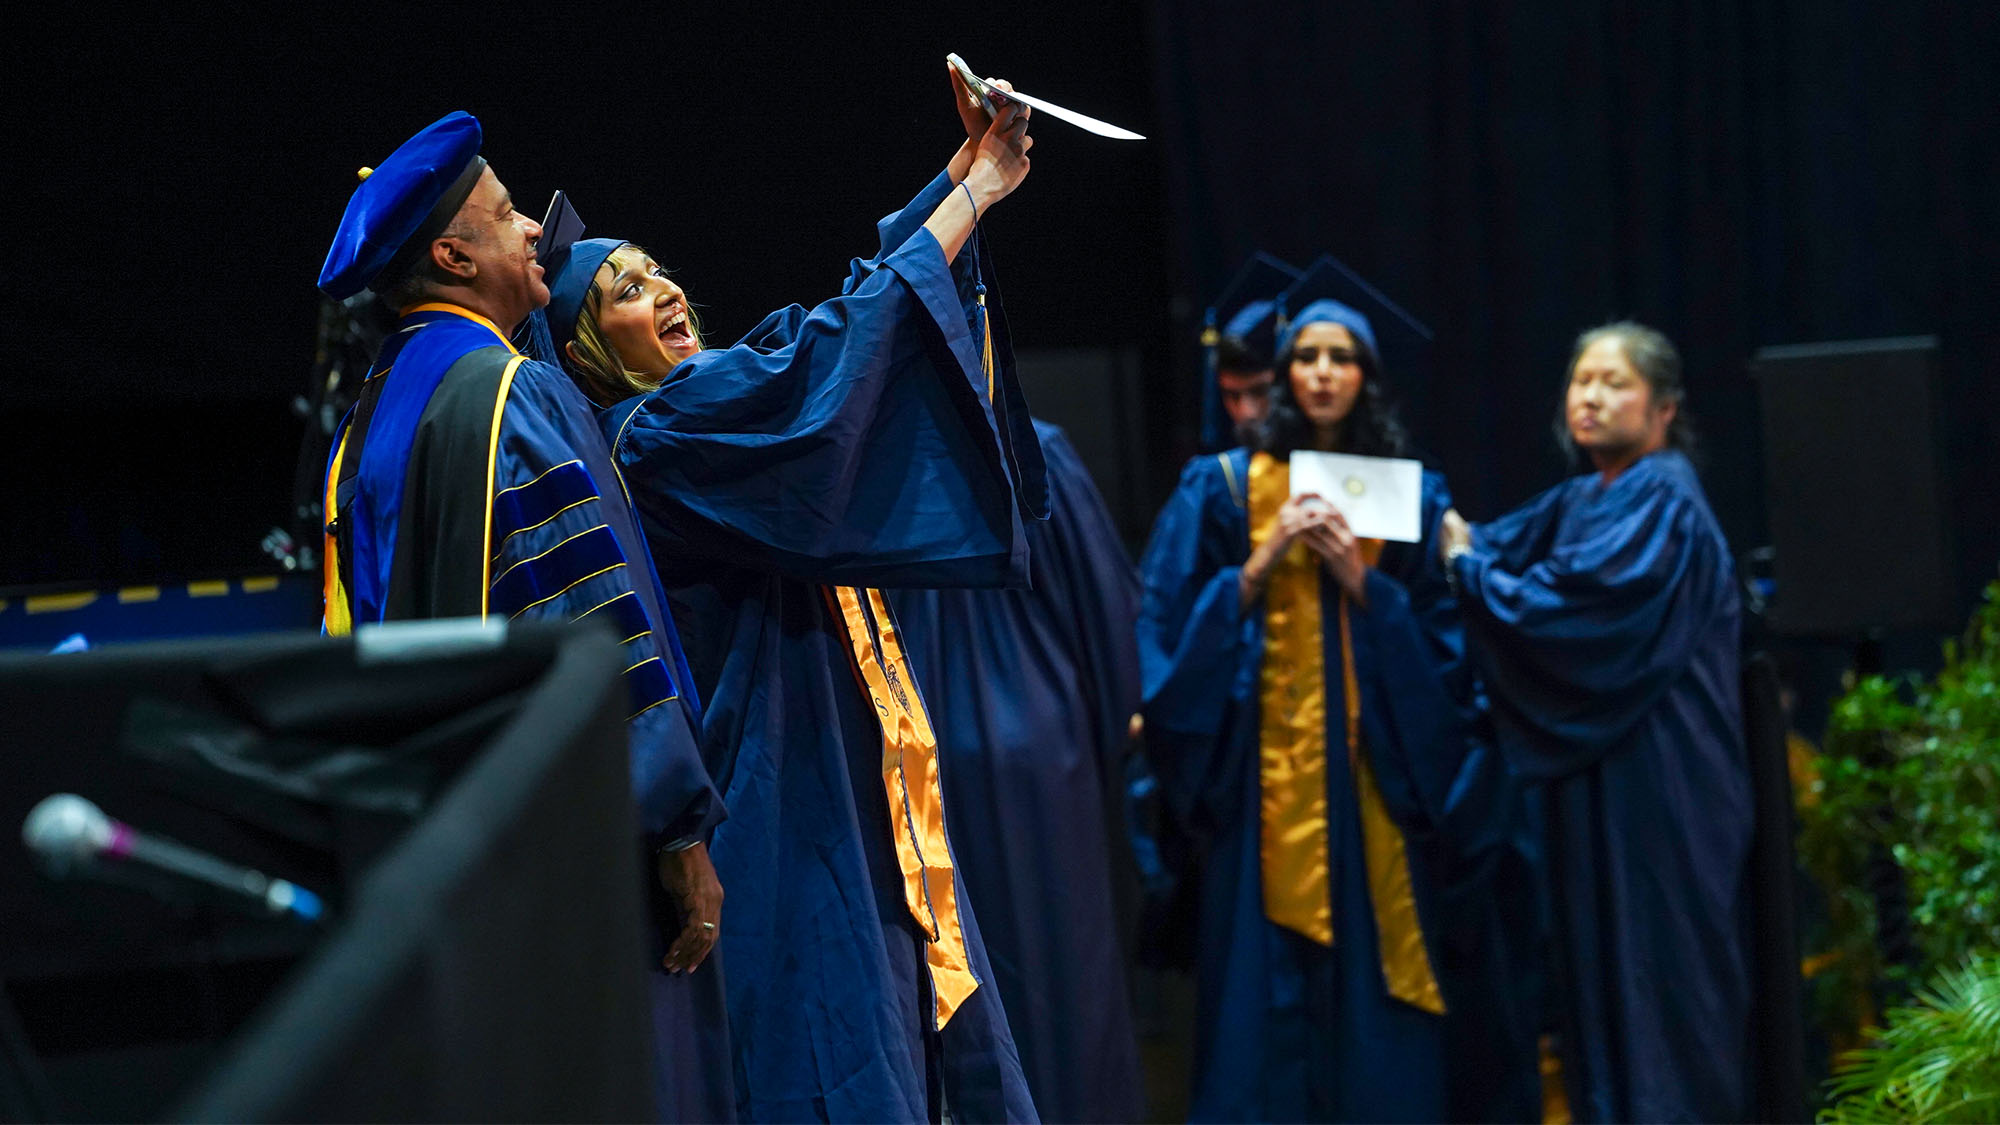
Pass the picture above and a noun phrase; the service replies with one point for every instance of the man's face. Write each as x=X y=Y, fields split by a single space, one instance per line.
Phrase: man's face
x=1246 y=395
x=1610 y=407
x=501 y=243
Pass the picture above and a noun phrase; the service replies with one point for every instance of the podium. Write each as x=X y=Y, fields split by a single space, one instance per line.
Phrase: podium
x=459 y=794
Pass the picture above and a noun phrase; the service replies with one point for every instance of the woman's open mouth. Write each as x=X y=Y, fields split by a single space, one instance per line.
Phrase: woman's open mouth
x=674 y=331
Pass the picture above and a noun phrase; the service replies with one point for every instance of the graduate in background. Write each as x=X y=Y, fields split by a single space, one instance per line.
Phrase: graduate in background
x=1031 y=692
x=1238 y=337
x=469 y=480
x=1238 y=340
x=1309 y=719
x=1603 y=615
x=878 y=439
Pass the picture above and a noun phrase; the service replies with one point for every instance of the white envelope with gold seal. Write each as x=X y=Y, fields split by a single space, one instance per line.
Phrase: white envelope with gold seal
x=1382 y=497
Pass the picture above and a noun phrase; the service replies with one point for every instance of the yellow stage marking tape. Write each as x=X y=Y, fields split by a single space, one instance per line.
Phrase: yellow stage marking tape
x=57 y=603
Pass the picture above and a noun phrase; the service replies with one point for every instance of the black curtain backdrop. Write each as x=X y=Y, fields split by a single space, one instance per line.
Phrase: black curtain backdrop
x=174 y=175
x=1736 y=174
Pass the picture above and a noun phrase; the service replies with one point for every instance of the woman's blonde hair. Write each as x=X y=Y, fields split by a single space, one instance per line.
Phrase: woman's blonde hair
x=590 y=358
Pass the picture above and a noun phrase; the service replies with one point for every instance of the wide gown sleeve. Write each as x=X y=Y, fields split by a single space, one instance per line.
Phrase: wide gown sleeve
x=1194 y=648
x=855 y=443
x=1437 y=769
x=1578 y=645
x=556 y=557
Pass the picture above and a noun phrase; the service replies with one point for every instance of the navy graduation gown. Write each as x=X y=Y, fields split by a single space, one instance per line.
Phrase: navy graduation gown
x=453 y=425
x=1290 y=1030
x=1031 y=692
x=852 y=444
x=1604 y=620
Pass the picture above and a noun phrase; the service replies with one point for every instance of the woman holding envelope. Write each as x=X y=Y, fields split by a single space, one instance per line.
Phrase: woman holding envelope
x=1311 y=715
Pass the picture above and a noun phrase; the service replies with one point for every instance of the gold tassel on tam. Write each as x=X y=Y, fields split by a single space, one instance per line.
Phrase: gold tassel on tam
x=1292 y=757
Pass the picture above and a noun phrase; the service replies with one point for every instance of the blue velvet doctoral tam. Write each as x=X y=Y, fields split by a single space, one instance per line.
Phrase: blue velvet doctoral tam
x=1031 y=693
x=1290 y=1030
x=1604 y=620
x=852 y=444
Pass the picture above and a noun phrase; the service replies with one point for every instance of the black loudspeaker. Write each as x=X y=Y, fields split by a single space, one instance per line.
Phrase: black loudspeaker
x=1854 y=487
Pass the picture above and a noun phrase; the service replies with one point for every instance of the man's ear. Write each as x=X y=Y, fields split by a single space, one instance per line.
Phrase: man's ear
x=449 y=256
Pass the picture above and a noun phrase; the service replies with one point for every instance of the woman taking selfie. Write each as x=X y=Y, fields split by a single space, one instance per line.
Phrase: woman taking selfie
x=877 y=439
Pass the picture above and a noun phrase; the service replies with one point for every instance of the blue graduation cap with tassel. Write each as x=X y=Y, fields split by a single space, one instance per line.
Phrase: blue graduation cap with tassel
x=1329 y=290
x=1246 y=309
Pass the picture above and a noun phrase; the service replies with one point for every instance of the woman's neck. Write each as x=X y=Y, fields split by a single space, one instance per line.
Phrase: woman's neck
x=1327 y=439
x=1611 y=464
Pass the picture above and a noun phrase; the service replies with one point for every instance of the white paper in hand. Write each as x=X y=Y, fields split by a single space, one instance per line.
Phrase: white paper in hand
x=1382 y=497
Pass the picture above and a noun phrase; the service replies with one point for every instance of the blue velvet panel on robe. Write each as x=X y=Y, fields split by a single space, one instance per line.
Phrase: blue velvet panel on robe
x=852 y=444
x=1604 y=620
x=1031 y=692
x=1289 y=1030
x=565 y=546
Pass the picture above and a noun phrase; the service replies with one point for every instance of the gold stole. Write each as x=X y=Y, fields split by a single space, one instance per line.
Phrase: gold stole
x=910 y=769
x=1292 y=749
x=916 y=803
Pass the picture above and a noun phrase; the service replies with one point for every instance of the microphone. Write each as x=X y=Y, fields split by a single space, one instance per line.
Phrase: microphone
x=70 y=833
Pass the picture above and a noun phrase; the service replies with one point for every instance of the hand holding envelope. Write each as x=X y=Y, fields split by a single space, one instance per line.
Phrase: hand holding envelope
x=1380 y=497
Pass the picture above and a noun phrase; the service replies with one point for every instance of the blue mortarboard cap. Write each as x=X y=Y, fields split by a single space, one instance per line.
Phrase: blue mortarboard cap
x=1248 y=298
x=1247 y=308
x=402 y=205
x=1330 y=291
x=1255 y=324
x=569 y=276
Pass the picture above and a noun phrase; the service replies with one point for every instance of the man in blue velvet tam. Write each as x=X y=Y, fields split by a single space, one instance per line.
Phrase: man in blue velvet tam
x=470 y=480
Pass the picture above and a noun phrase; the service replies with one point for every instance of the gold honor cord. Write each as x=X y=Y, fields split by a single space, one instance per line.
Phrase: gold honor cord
x=916 y=800
x=1292 y=764
x=338 y=616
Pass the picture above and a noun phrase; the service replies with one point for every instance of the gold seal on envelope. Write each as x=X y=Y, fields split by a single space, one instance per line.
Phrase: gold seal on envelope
x=1356 y=486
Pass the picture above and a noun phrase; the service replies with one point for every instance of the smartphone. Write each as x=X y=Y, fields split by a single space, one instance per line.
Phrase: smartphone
x=981 y=89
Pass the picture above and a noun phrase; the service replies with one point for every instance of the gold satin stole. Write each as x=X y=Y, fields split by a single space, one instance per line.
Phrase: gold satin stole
x=1292 y=757
x=916 y=802
x=910 y=769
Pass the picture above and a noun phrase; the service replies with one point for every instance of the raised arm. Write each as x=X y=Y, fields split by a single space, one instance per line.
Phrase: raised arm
x=857 y=443
x=993 y=169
